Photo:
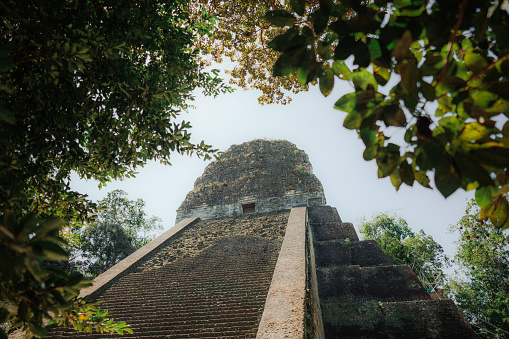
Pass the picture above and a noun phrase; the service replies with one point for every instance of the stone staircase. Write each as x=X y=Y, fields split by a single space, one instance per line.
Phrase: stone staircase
x=362 y=295
x=218 y=292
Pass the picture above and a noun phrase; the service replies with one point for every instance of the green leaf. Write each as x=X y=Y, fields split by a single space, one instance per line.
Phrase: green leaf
x=401 y=49
x=344 y=48
x=320 y=20
x=353 y=120
x=406 y=173
x=471 y=172
x=388 y=160
x=498 y=212
x=341 y=70
x=363 y=80
x=430 y=154
x=6 y=115
x=289 y=61
x=370 y=152
x=288 y=40
x=346 y=103
x=368 y=136
x=422 y=178
x=326 y=81
x=396 y=180
x=298 y=6
x=474 y=131
x=393 y=115
x=409 y=78
x=280 y=18
x=492 y=156
x=475 y=62
x=374 y=49
x=484 y=195
x=382 y=74
x=428 y=91
x=447 y=179
x=451 y=84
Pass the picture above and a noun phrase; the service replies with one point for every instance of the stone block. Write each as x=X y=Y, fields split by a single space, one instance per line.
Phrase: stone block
x=332 y=253
x=340 y=283
x=353 y=320
x=367 y=253
x=327 y=231
x=323 y=214
x=349 y=231
x=393 y=283
x=426 y=319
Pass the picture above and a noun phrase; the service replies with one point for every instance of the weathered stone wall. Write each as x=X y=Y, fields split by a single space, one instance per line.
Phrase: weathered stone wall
x=268 y=205
x=275 y=175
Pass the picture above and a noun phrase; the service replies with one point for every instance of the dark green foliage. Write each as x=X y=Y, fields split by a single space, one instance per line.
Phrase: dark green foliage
x=120 y=229
x=93 y=87
x=404 y=247
x=453 y=53
x=481 y=289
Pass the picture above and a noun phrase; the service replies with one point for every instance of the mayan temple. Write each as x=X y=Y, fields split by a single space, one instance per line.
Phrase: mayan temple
x=257 y=253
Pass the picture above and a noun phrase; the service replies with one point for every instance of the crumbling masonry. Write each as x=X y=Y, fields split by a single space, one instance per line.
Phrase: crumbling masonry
x=256 y=253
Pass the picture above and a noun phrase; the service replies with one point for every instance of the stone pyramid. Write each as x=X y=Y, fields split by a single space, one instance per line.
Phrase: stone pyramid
x=256 y=253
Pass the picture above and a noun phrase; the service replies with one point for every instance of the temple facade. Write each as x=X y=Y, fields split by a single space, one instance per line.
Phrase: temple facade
x=257 y=253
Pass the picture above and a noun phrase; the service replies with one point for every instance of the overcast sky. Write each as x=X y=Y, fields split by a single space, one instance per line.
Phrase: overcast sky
x=310 y=122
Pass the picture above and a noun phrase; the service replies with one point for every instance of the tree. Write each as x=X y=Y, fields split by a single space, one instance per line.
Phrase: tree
x=453 y=54
x=241 y=35
x=121 y=228
x=94 y=87
x=481 y=287
x=404 y=247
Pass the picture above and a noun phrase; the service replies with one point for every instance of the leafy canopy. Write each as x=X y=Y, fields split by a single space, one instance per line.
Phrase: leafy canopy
x=121 y=228
x=94 y=87
x=404 y=247
x=241 y=35
x=481 y=289
x=404 y=58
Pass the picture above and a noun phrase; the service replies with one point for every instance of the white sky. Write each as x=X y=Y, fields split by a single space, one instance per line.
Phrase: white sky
x=310 y=121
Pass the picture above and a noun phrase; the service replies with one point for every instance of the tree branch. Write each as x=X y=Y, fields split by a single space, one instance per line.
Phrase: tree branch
x=454 y=37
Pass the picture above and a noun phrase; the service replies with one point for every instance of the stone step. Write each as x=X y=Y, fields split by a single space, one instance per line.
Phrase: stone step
x=234 y=291
x=380 y=283
x=365 y=253
x=333 y=231
x=154 y=334
x=403 y=319
x=238 y=308
x=323 y=214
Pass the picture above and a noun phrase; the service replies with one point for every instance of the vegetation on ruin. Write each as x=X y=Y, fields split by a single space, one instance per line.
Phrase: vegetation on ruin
x=481 y=285
x=403 y=58
x=405 y=247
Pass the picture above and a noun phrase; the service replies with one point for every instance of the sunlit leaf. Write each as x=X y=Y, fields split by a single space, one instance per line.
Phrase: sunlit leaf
x=363 y=80
x=474 y=131
x=346 y=103
x=341 y=70
x=475 y=62
x=484 y=195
